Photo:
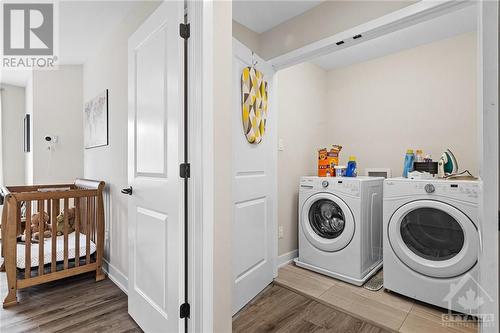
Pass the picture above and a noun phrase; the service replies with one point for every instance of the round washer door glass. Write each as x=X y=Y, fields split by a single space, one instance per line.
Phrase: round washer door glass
x=327 y=222
x=326 y=218
x=432 y=234
x=433 y=238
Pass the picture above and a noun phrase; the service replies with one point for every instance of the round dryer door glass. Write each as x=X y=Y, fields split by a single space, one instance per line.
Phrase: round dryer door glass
x=326 y=218
x=432 y=234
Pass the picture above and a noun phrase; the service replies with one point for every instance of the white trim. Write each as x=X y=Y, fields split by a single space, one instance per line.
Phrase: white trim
x=116 y=276
x=274 y=107
x=488 y=21
x=399 y=19
x=205 y=55
x=286 y=258
x=356 y=282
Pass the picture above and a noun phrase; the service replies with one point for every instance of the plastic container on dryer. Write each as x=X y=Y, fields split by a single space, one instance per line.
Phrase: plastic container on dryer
x=408 y=164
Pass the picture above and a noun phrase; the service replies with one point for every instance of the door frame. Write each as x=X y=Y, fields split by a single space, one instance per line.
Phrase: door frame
x=201 y=185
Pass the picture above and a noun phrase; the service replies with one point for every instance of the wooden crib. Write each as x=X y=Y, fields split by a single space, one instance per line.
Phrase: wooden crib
x=70 y=253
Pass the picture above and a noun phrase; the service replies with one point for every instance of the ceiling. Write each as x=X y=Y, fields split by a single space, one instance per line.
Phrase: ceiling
x=452 y=24
x=83 y=27
x=15 y=77
x=261 y=16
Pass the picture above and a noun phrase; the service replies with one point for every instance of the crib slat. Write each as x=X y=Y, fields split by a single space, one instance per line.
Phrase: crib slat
x=66 y=225
x=77 y=232
x=87 y=238
x=19 y=223
x=41 y=230
x=27 y=252
x=93 y=221
x=53 y=221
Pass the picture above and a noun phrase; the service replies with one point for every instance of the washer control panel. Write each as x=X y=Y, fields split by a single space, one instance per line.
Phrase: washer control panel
x=333 y=184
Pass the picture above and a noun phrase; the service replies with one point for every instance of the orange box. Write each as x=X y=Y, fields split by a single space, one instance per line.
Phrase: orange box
x=333 y=158
x=323 y=163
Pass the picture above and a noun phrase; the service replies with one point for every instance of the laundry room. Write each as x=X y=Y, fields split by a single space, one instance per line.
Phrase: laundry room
x=363 y=147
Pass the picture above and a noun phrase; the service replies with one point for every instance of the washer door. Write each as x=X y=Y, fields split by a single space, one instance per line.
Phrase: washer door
x=327 y=222
x=434 y=238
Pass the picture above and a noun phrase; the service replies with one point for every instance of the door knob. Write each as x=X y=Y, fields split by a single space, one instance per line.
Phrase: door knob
x=127 y=190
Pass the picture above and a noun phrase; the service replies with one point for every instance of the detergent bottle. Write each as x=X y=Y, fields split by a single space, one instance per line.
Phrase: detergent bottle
x=351 y=167
x=408 y=165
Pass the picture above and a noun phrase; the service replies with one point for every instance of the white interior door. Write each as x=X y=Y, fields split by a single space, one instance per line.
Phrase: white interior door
x=254 y=191
x=154 y=150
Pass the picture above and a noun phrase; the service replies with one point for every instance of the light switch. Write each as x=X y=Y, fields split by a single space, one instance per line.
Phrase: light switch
x=281 y=144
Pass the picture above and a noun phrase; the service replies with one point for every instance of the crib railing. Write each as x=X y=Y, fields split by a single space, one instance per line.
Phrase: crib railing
x=53 y=204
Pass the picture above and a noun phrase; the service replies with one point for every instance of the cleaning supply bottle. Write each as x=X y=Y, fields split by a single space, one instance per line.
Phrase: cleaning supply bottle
x=419 y=156
x=351 y=167
x=408 y=165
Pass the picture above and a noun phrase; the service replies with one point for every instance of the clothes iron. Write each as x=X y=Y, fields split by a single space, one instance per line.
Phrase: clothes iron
x=447 y=164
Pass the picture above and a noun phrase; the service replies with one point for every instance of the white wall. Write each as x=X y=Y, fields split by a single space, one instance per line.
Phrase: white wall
x=13 y=110
x=424 y=98
x=302 y=125
x=248 y=37
x=107 y=69
x=57 y=111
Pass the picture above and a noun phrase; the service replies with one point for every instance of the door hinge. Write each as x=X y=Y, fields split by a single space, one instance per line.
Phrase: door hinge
x=185 y=310
x=185 y=170
x=184 y=30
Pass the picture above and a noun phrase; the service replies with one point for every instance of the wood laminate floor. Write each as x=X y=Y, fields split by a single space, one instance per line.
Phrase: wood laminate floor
x=385 y=309
x=279 y=309
x=76 y=304
x=299 y=301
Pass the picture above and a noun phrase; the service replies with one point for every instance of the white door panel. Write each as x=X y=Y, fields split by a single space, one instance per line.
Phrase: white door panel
x=154 y=148
x=253 y=192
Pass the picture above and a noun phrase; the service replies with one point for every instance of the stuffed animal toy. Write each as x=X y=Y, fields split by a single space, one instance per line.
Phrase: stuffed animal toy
x=71 y=221
x=35 y=223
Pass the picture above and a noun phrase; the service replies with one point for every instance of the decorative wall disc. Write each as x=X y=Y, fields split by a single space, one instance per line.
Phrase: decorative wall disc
x=254 y=100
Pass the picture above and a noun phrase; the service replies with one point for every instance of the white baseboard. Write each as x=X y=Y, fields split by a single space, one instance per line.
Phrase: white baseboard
x=286 y=258
x=116 y=276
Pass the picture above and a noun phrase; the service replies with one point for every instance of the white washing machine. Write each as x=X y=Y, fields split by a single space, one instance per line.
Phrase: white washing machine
x=340 y=226
x=431 y=239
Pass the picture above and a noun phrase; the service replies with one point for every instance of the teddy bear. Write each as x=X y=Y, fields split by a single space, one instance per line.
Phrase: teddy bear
x=35 y=223
x=71 y=221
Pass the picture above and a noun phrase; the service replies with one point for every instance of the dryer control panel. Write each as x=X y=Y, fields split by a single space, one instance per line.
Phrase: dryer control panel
x=460 y=190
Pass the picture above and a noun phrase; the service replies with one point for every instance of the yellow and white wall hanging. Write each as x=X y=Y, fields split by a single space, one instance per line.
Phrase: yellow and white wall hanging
x=254 y=100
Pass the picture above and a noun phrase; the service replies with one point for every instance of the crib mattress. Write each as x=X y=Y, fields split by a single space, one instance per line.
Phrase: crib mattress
x=47 y=251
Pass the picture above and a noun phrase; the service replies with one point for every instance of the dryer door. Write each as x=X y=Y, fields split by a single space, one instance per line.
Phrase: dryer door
x=434 y=238
x=327 y=222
